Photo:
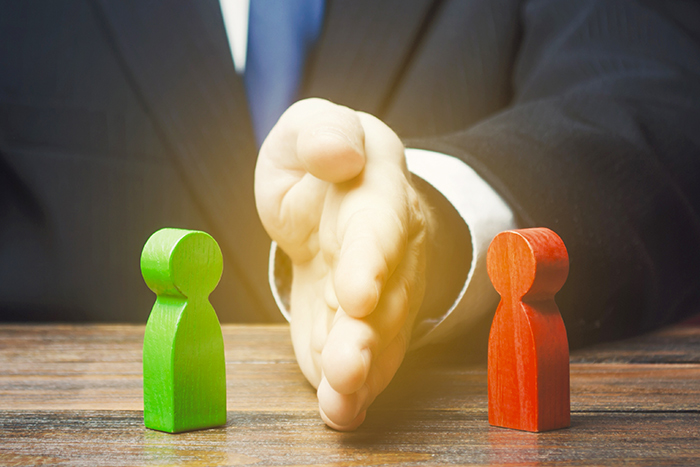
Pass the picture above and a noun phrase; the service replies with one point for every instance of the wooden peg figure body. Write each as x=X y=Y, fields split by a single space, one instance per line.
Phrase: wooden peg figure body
x=528 y=355
x=184 y=372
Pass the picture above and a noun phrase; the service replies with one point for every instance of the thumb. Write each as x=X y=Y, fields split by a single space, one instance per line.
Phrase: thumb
x=330 y=145
x=314 y=143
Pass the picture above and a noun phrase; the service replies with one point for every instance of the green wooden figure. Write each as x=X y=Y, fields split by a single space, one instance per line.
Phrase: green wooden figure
x=184 y=369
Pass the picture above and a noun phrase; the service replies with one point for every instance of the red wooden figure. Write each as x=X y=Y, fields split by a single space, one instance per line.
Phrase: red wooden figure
x=528 y=363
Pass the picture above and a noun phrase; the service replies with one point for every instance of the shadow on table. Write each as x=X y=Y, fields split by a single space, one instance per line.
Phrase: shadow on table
x=438 y=388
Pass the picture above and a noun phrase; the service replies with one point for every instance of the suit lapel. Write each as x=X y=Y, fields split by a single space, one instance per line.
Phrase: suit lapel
x=363 y=50
x=177 y=55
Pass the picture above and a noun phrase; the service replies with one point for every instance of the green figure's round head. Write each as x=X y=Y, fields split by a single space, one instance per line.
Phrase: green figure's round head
x=181 y=263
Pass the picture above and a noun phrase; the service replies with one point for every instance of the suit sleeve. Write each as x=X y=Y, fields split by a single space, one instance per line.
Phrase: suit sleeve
x=602 y=145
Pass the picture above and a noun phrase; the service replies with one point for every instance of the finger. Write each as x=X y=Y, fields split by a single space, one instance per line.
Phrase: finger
x=314 y=142
x=373 y=222
x=352 y=426
x=311 y=319
x=352 y=344
x=330 y=144
x=346 y=412
x=307 y=356
x=340 y=412
x=372 y=245
x=298 y=141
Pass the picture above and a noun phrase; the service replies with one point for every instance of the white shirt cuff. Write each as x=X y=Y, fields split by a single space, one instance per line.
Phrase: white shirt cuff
x=485 y=213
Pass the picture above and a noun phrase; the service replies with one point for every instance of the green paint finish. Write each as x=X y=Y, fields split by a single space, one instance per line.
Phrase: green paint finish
x=184 y=370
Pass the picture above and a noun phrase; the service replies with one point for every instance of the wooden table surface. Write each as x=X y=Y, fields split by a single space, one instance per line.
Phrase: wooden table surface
x=71 y=395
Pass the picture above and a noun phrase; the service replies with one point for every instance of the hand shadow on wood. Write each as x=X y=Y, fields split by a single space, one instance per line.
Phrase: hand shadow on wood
x=439 y=385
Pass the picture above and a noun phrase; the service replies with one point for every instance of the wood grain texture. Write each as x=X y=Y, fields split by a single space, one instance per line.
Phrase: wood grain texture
x=184 y=370
x=72 y=396
x=528 y=351
x=422 y=438
x=677 y=345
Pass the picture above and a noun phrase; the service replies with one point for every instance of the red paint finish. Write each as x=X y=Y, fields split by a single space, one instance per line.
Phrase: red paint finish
x=528 y=363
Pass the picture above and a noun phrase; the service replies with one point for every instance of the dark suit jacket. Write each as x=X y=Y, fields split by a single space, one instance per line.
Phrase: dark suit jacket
x=121 y=117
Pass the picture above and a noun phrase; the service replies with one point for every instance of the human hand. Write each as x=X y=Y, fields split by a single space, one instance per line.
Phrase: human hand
x=332 y=189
